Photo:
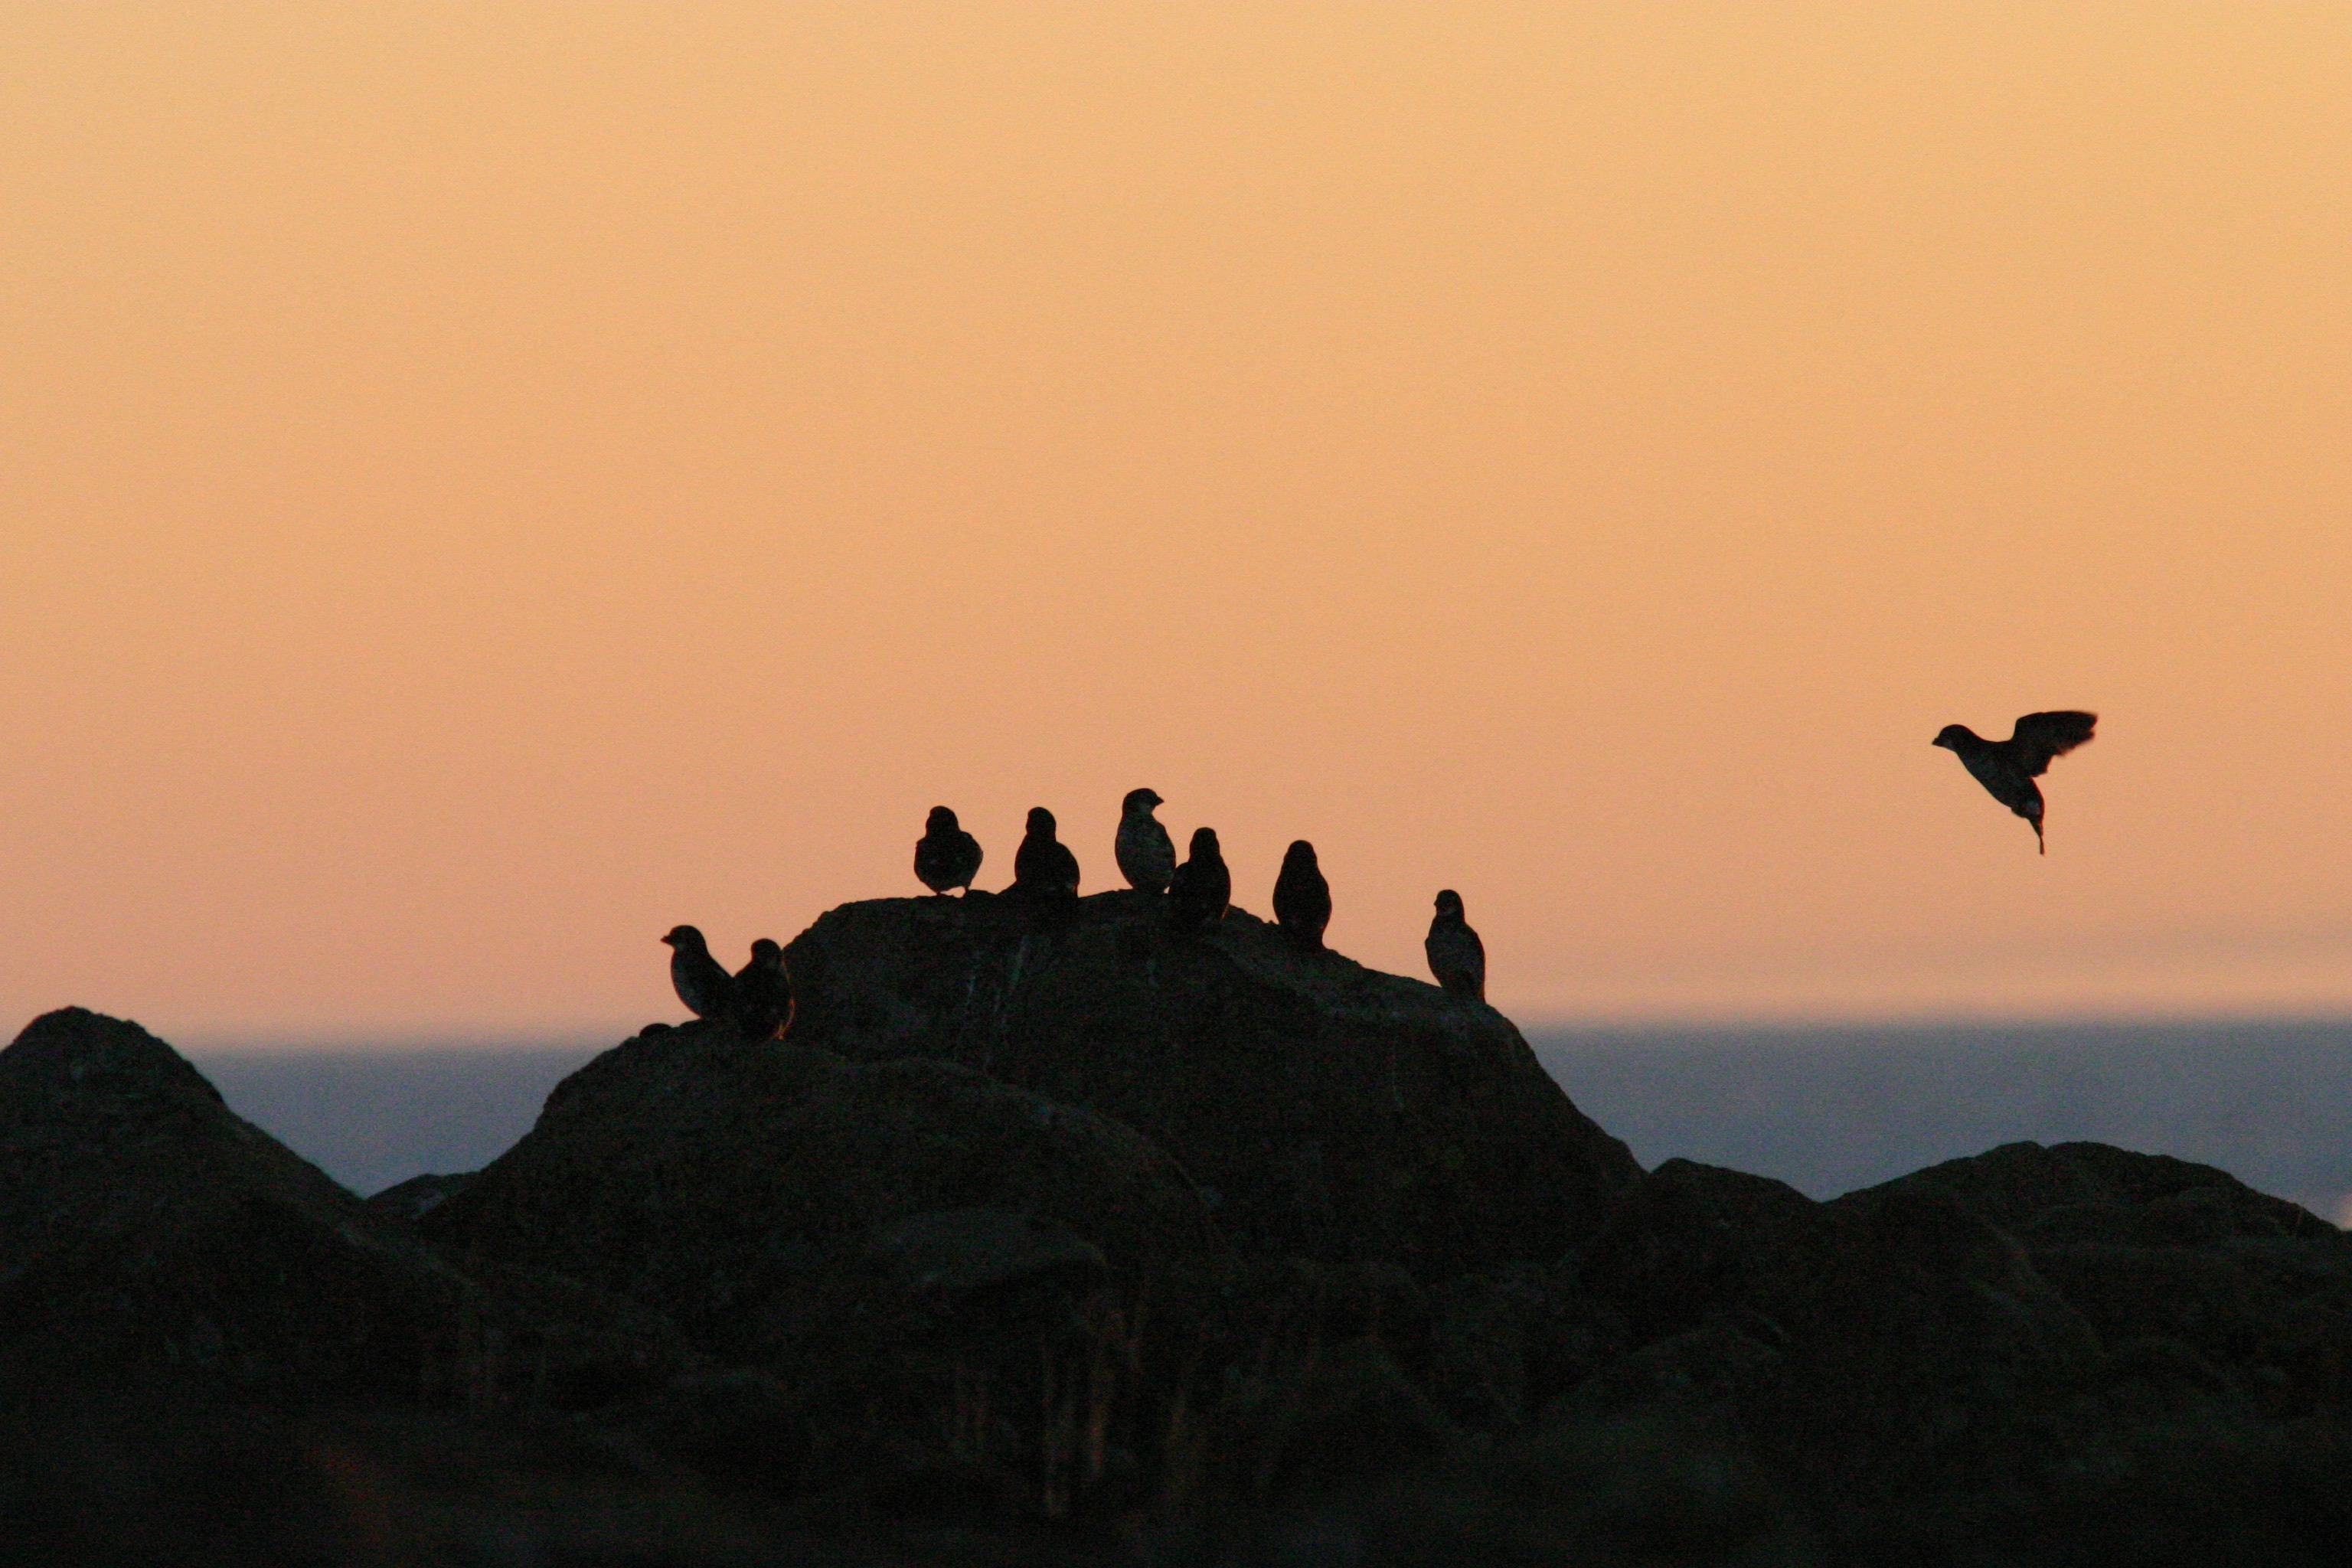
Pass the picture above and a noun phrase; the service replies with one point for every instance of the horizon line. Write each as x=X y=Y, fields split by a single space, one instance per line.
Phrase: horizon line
x=444 y=1039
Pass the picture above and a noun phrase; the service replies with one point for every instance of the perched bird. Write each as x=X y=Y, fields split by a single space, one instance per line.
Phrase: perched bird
x=1201 y=888
x=1147 y=855
x=764 y=994
x=946 y=856
x=1302 y=899
x=2008 y=768
x=702 y=982
x=1044 y=864
x=1456 y=956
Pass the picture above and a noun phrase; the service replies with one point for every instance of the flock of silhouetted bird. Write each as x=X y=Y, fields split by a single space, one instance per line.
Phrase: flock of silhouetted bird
x=757 y=999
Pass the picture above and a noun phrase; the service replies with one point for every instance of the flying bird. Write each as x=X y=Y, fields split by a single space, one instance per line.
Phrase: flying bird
x=1044 y=864
x=702 y=982
x=2008 y=768
x=1201 y=888
x=1302 y=899
x=946 y=856
x=1147 y=857
x=764 y=994
x=1456 y=956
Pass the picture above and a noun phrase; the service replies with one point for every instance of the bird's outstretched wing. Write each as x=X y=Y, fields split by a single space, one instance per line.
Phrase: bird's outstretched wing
x=2041 y=736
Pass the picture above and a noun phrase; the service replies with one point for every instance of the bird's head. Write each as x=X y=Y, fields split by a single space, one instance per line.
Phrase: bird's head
x=1950 y=736
x=942 y=820
x=1139 y=801
x=767 y=954
x=1041 y=823
x=686 y=939
x=1449 y=903
x=1204 y=843
x=1300 y=853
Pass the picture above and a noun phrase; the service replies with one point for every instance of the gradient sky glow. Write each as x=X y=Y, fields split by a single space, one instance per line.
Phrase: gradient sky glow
x=481 y=484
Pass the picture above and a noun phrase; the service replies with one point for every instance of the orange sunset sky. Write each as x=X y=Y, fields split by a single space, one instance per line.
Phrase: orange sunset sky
x=479 y=484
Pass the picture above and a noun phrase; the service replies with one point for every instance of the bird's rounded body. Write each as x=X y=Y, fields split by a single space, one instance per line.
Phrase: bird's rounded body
x=1202 y=888
x=764 y=994
x=2002 y=780
x=946 y=856
x=700 y=981
x=2008 y=768
x=1043 y=865
x=1146 y=855
x=1302 y=899
x=1456 y=957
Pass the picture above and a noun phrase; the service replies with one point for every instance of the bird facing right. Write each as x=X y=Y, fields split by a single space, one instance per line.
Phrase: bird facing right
x=1456 y=957
x=701 y=981
x=1147 y=857
x=1302 y=899
x=2008 y=768
x=1043 y=865
x=946 y=856
x=1203 y=887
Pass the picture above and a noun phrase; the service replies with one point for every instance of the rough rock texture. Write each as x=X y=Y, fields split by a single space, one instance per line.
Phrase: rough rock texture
x=949 y=1319
x=149 y=1234
x=1998 y=1349
x=407 y=1202
x=709 y=1177
x=1331 y=1110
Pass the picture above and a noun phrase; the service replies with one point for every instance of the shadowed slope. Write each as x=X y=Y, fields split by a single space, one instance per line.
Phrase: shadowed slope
x=149 y=1236
x=705 y=1173
x=1333 y=1111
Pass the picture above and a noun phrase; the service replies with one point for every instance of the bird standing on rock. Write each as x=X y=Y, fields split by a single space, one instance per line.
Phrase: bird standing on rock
x=946 y=856
x=1147 y=855
x=702 y=982
x=1043 y=865
x=1456 y=956
x=763 y=993
x=1302 y=899
x=1202 y=888
x=2008 y=768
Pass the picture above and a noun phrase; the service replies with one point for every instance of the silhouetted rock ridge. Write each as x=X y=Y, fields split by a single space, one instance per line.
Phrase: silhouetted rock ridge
x=1333 y=1112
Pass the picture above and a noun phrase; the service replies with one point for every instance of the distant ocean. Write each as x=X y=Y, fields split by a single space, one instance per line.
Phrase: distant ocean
x=1826 y=1109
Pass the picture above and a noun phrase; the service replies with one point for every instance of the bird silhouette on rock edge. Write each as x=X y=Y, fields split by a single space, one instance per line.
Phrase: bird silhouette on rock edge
x=1043 y=865
x=1146 y=855
x=1202 y=888
x=764 y=994
x=701 y=980
x=1456 y=957
x=946 y=856
x=2008 y=768
x=1302 y=899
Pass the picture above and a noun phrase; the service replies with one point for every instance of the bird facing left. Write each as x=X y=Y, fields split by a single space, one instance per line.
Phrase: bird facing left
x=2008 y=768
x=701 y=981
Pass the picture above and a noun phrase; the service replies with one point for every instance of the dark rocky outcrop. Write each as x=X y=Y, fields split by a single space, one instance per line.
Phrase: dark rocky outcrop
x=1331 y=1112
x=150 y=1237
x=1995 y=1349
x=407 y=1202
x=914 y=1289
x=182 y=1298
x=722 y=1182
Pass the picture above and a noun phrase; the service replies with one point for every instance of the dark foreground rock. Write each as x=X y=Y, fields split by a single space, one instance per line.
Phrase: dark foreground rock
x=177 y=1290
x=1976 y=1362
x=716 y=1180
x=1331 y=1110
x=149 y=1237
x=736 y=1303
